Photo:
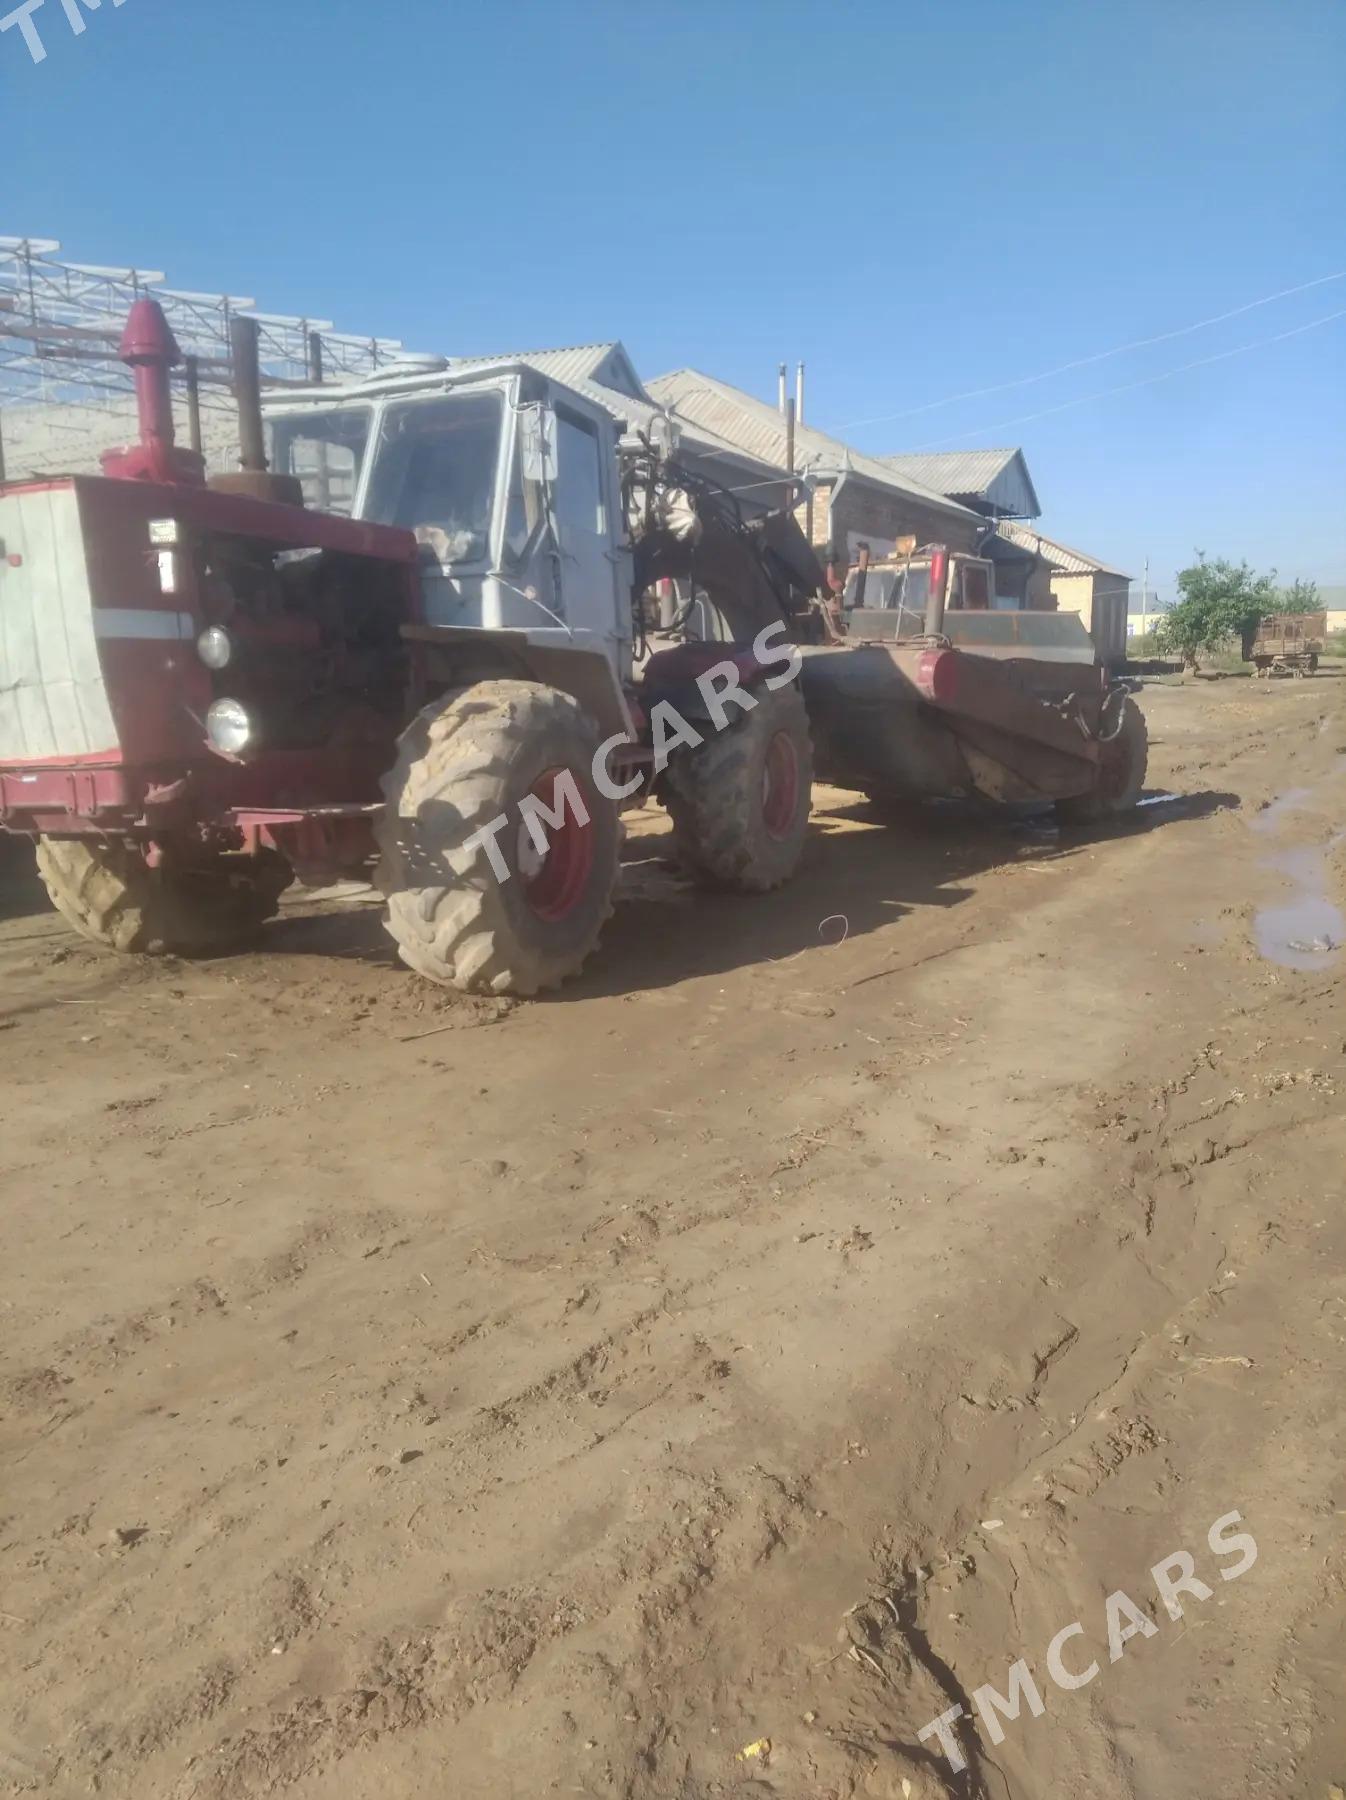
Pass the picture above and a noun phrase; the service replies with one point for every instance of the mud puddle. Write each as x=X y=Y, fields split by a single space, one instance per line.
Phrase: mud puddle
x=1306 y=931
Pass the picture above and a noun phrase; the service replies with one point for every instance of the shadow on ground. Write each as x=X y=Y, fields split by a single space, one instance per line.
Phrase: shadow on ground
x=857 y=868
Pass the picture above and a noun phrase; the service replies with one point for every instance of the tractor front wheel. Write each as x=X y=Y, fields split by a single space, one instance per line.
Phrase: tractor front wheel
x=740 y=801
x=113 y=896
x=500 y=750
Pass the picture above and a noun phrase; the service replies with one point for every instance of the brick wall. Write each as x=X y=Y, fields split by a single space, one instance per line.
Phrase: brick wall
x=881 y=515
x=1039 y=596
x=1076 y=593
x=821 y=519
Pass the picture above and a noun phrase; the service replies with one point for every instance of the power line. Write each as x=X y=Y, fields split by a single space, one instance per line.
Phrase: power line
x=1127 y=387
x=1083 y=362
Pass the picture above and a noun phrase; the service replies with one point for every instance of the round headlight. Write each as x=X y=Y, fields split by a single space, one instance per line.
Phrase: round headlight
x=228 y=727
x=215 y=647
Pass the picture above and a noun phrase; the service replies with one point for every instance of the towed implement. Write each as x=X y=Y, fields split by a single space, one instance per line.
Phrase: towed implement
x=458 y=628
x=1285 y=644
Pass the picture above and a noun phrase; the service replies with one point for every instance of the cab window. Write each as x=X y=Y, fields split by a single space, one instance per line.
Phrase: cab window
x=435 y=473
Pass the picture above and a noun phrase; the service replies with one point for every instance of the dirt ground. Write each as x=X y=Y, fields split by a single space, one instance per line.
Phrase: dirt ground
x=694 y=1384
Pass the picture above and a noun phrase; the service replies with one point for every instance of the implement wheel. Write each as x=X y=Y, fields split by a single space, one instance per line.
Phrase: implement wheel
x=112 y=896
x=464 y=762
x=740 y=801
x=1120 y=773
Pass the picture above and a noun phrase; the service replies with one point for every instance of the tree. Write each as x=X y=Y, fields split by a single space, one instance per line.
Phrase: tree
x=1220 y=600
x=1299 y=597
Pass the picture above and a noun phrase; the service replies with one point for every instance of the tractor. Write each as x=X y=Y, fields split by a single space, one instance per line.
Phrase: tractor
x=419 y=631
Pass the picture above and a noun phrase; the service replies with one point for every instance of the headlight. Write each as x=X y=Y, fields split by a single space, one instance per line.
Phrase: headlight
x=215 y=647
x=228 y=727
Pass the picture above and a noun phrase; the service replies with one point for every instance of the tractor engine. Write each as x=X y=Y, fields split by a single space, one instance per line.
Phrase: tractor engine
x=303 y=648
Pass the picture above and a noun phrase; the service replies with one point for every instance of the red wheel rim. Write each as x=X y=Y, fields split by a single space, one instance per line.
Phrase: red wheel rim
x=780 y=785
x=555 y=879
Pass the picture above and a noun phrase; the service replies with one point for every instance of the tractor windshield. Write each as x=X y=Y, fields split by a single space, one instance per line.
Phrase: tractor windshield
x=889 y=588
x=326 y=451
x=435 y=472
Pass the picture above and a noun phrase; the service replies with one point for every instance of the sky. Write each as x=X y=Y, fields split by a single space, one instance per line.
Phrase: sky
x=918 y=199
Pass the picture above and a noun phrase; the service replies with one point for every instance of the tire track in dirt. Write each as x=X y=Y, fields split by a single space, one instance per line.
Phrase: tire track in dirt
x=831 y=1318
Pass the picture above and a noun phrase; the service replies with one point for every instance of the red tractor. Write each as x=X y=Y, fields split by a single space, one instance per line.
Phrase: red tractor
x=449 y=664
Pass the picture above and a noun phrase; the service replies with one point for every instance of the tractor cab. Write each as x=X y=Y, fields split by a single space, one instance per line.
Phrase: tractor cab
x=908 y=586
x=936 y=592
x=507 y=481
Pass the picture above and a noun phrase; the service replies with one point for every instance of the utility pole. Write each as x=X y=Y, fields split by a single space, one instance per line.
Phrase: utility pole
x=1144 y=599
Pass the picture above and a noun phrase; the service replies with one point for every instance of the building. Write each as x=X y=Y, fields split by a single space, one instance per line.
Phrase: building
x=856 y=499
x=1333 y=602
x=1076 y=582
x=1142 y=624
x=995 y=483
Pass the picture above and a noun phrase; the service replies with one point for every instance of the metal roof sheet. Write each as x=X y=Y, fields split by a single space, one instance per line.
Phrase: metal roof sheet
x=757 y=427
x=608 y=365
x=999 y=477
x=1070 y=562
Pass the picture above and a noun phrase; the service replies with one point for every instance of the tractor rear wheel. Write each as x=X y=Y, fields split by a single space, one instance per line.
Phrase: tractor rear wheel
x=113 y=897
x=463 y=763
x=740 y=801
x=1120 y=773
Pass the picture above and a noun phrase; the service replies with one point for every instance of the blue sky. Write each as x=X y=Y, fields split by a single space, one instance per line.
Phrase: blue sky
x=918 y=199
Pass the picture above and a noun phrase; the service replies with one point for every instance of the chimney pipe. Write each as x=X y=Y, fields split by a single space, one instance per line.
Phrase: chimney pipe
x=780 y=388
x=799 y=393
x=243 y=344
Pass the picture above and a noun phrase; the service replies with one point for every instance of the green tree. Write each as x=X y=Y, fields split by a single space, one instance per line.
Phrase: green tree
x=1220 y=600
x=1299 y=597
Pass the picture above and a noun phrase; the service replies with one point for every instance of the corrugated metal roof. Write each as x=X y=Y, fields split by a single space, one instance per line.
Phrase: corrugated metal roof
x=757 y=427
x=605 y=374
x=1071 y=562
x=1000 y=477
x=607 y=365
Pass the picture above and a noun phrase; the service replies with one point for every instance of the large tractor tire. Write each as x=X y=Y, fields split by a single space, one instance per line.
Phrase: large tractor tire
x=740 y=801
x=464 y=762
x=113 y=897
x=1121 y=773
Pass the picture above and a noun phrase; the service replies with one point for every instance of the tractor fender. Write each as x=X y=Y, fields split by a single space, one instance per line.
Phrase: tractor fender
x=446 y=656
x=671 y=676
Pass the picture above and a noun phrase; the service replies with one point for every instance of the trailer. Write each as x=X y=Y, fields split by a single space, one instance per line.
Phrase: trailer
x=1286 y=644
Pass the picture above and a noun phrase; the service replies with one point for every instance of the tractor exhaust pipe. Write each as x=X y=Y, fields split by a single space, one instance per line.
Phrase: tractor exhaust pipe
x=244 y=350
x=251 y=477
x=939 y=579
x=150 y=350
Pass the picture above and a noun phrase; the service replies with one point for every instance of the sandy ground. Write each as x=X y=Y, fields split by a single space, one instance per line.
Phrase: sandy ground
x=692 y=1385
